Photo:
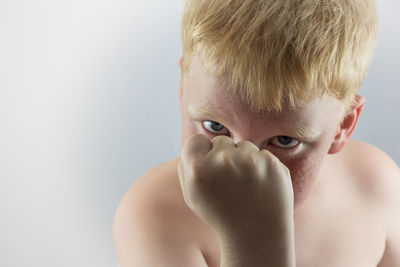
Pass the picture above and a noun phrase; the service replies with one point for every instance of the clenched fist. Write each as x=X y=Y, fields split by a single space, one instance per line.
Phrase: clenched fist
x=235 y=188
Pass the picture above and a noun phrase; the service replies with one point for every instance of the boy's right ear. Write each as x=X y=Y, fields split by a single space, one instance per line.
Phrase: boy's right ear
x=347 y=126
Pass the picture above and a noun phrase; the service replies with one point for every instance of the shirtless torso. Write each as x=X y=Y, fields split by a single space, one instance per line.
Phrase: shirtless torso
x=341 y=224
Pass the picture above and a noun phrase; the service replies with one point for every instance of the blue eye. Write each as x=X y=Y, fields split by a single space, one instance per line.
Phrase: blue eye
x=213 y=126
x=284 y=141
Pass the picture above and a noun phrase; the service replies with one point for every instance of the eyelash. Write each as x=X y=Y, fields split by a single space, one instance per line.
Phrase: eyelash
x=285 y=148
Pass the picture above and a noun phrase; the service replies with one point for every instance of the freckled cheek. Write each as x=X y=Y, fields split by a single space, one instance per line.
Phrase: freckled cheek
x=303 y=172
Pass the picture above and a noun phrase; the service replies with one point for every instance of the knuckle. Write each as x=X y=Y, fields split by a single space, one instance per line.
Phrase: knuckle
x=273 y=161
x=269 y=155
x=247 y=144
x=222 y=156
x=219 y=138
x=264 y=153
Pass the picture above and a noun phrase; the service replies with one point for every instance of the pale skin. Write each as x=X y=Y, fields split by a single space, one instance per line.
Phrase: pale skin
x=299 y=175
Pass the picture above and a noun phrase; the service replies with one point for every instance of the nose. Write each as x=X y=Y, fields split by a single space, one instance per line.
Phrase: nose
x=256 y=141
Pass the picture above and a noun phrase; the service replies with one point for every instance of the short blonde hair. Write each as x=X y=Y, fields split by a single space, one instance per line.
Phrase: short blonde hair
x=272 y=52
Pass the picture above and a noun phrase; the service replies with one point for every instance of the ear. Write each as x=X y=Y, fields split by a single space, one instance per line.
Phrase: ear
x=181 y=82
x=347 y=126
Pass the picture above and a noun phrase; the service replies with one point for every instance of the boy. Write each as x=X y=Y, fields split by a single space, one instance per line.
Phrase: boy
x=268 y=174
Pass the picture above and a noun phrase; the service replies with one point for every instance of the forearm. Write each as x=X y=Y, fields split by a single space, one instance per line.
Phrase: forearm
x=258 y=251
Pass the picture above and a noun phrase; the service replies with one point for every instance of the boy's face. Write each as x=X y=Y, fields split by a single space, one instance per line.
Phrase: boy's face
x=275 y=132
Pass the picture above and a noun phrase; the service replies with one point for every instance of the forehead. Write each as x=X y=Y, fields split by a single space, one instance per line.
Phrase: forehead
x=294 y=123
x=202 y=91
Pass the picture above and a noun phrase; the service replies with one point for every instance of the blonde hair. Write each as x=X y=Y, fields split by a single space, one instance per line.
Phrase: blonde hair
x=272 y=52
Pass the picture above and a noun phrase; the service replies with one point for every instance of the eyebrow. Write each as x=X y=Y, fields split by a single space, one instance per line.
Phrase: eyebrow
x=299 y=132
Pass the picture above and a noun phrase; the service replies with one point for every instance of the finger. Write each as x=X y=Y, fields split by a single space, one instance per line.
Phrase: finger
x=268 y=154
x=196 y=146
x=247 y=145
x=220 y=142
x=274 y=161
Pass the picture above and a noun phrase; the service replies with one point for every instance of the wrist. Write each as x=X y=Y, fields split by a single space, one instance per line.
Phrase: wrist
x=258 y=232
x=258 y=248
x=258 y=254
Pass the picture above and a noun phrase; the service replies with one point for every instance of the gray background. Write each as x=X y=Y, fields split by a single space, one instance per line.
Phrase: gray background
x=89 y=101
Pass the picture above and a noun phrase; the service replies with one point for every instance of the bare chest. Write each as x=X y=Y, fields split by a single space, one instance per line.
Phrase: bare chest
x=338 y=232
x=355 y=238
x=352 y=240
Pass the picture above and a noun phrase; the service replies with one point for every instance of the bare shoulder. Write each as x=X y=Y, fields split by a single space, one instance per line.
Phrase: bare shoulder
x=381 y=175
x=152 y=188
x=152 y=226
x=368 y=152
x=371 y=164
x=156 y=183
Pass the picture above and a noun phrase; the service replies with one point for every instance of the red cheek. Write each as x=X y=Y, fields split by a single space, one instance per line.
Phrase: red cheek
x=304 y=173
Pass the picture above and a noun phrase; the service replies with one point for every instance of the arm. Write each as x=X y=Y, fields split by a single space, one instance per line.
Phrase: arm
x=142 y=239
x=258 y=250
x=244 y=195
x=391 y=176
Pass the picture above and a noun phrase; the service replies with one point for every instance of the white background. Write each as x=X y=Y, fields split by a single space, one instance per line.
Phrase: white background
x=89 y=101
